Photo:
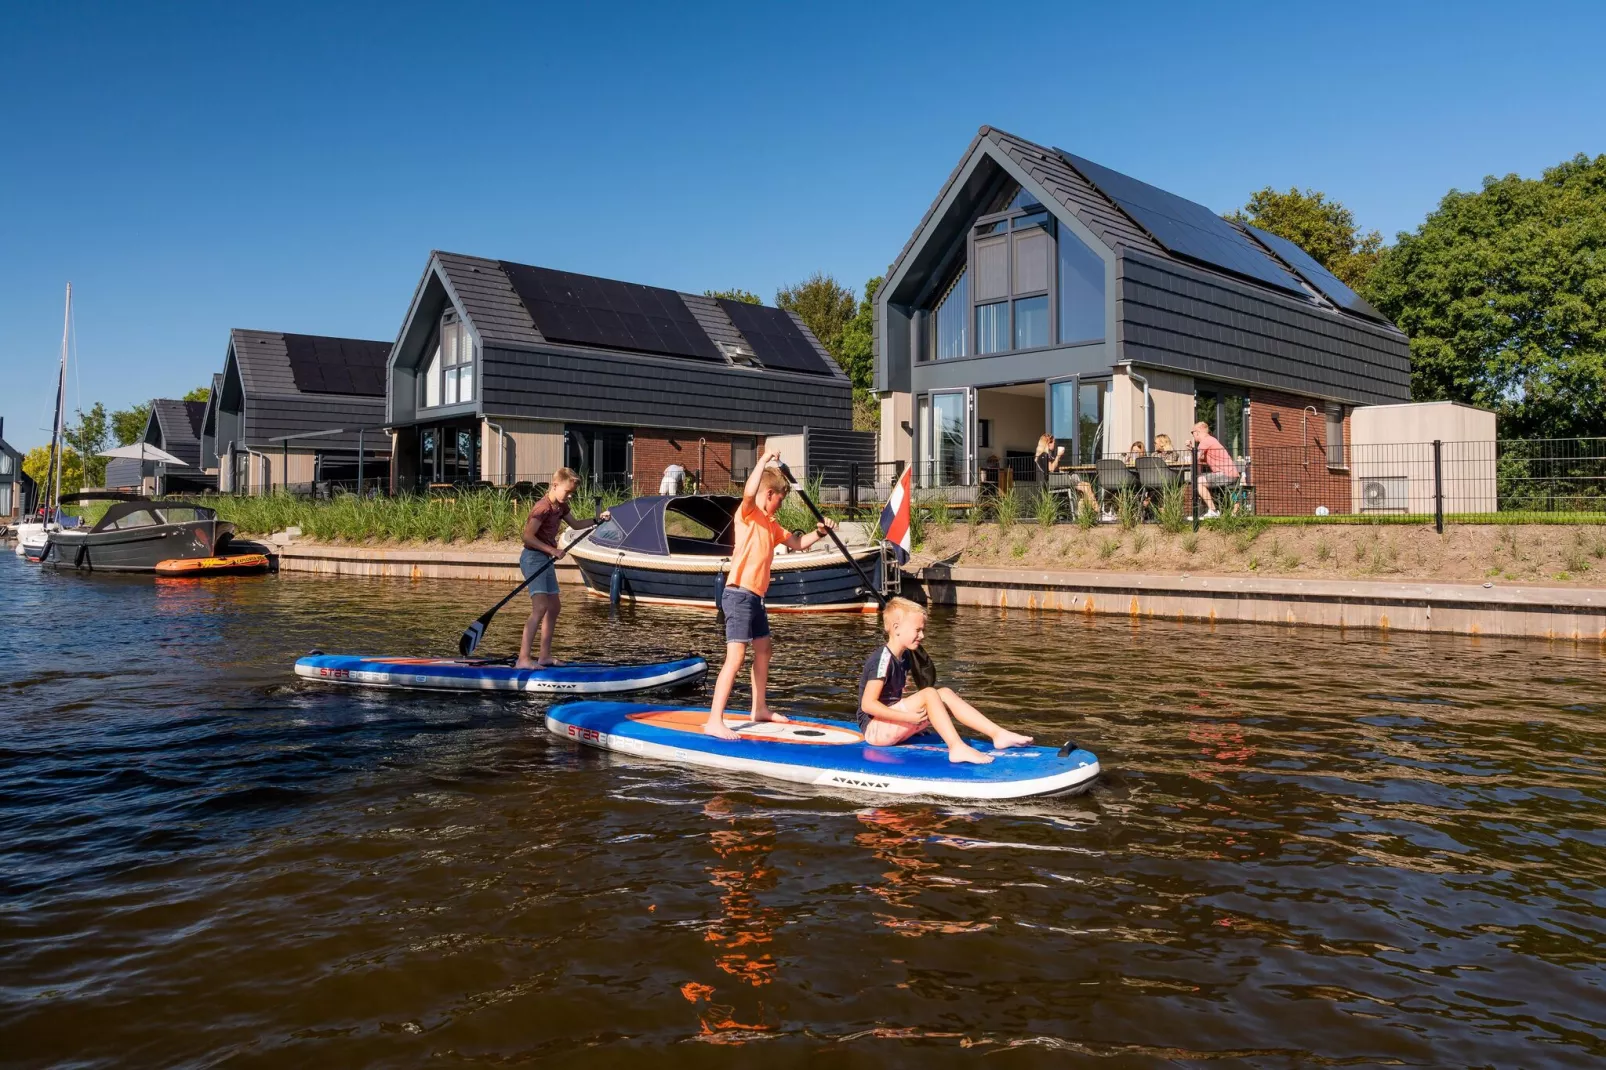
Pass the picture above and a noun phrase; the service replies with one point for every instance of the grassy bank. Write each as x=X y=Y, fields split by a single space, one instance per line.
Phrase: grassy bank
x=1506 y=553
x=466 y=517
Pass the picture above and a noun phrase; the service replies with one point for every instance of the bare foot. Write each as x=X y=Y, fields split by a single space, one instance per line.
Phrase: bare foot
x=719 y=729
x=524 y=664
x=768 y=715
x=1004 y=740
x=548 y=663
x=966 y=753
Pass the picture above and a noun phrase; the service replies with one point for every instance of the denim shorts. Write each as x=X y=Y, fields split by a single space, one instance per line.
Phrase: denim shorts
x=547 y=582
x=745 y=618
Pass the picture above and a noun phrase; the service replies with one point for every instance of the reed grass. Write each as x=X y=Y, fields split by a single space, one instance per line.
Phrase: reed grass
x=1046 y=507
x=1006 y=510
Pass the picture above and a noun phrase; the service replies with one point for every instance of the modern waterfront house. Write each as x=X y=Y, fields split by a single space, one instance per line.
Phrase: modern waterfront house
x=12 y=503
x=1045 y=292
x=293 y=409
x=209 y=463
x=175 y=427
x=504 y=371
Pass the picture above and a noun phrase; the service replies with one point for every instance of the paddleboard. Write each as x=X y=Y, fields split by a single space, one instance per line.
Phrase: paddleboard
x=823 y=753
x=485 y=674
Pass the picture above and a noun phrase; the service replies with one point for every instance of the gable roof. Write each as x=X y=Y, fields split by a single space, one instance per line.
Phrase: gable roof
x=277 y=364
x=209 y=417
x=485 y=292
x=178 y=428
x=1072 y=192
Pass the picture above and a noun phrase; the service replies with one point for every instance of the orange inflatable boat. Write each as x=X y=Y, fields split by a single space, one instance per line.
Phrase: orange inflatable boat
x=233 y=565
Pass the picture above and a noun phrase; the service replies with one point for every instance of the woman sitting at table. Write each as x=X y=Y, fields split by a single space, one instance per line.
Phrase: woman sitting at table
x=1135 y=452
x=1048 y=458
x=1164 y=450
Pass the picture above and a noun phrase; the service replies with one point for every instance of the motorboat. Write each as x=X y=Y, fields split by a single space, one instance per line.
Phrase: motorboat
x=137 y=533
x=676 y=550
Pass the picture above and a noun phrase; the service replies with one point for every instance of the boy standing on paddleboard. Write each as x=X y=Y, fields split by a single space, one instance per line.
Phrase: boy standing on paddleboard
x=746 y=622
x=540 y=547
x=888 y=716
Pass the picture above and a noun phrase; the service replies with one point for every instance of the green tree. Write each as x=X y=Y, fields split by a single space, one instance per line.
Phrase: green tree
x=200 y=393
x=825 y=305
x=858 y=358
x=129 y=424
x=1323 y=228
x=747 y=297
x=1503 y=295
x=37 y=465
x=88 y=437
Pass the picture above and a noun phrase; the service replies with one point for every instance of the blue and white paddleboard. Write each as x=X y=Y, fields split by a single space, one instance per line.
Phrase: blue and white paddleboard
x=823 y=753
x=480 y=674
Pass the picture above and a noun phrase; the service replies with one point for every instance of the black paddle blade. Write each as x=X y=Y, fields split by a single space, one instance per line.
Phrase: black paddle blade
x=471 y=637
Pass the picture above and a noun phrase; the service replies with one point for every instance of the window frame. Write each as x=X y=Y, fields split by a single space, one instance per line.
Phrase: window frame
x=1336 y=442
x=445 y=366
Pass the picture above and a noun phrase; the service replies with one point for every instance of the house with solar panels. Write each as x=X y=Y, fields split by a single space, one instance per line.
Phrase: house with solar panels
x=174 y=427
x=15 y=486
x=297 y=411
x=1043 y=292
x=209 y=462
x=502 y=372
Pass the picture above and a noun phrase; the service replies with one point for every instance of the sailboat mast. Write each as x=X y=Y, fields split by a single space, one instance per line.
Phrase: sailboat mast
x=53 y=488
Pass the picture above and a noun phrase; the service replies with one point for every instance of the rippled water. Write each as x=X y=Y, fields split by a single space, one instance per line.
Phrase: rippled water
x=1308 y=848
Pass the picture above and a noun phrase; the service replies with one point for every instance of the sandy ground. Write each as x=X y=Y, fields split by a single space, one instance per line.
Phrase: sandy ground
x=1530 y=554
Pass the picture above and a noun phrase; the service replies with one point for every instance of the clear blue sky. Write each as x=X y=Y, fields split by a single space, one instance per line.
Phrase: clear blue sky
x=192 y=168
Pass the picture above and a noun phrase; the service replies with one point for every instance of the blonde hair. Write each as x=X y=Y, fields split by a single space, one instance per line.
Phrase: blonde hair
x=1045 y=444
x=896 y=609
x=565 y=475
x=1162 y=443
x=772 y=479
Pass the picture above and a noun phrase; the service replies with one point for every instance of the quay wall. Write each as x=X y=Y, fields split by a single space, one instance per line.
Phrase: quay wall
x=1558 y=613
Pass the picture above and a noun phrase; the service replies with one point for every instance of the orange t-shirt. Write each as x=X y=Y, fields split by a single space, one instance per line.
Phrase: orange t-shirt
x=757 y=536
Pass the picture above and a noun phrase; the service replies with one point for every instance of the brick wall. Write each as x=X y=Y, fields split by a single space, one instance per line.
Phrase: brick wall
x=656 y=450
x=1289 y=456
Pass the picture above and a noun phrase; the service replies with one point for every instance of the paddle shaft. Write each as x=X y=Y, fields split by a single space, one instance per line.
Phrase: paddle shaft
x=485 y=618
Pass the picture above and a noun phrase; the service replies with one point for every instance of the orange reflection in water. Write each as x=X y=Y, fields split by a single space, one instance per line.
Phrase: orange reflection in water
x=899 y=837
x=745 y=930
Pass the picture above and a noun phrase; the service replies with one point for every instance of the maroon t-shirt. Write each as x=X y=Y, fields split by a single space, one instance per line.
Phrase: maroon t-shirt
x=548 y=516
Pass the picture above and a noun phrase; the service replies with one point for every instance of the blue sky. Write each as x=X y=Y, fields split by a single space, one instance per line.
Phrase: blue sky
x=192 y=168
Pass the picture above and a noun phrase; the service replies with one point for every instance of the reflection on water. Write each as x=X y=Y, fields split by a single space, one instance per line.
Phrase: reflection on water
x=1309 y=847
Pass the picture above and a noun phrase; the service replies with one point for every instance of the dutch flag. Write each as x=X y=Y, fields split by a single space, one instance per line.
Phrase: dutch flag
x=895 y=517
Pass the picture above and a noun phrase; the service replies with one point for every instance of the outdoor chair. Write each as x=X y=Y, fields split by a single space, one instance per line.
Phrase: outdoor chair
x=1154 y=476
x=1113 y=477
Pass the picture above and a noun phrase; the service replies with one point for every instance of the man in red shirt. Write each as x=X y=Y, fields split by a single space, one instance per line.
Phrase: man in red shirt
x=1215 y=465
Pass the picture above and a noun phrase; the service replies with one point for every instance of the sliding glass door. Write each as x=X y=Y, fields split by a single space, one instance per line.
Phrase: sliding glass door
x=945 y=418
x=1077 y=417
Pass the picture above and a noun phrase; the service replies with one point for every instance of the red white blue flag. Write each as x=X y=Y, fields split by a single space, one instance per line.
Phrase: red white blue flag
x=895 y=517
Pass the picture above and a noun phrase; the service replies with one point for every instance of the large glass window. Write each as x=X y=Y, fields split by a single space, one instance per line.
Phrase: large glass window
x=1226 y=411
x=948 y=420
x=1031 y=322
x=1062 y=410
x=1090 y=421
x=953 y=319
x=448 y=377
x=1081 y=290
x=992 y=328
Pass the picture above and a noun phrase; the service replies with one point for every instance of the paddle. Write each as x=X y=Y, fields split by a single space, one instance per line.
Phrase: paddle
x=924 y=672
x=475 y=632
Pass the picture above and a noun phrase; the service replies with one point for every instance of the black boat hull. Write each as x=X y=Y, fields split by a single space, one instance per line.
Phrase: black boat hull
x=832 y=587
x=137 y=549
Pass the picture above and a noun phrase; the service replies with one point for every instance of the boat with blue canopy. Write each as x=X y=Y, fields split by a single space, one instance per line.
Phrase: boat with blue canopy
x=676 y=550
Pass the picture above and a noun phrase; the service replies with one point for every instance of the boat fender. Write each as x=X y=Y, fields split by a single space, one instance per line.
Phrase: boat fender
x=719 y=593
x=83 y=555
x=1065 y=751
x=615 y=583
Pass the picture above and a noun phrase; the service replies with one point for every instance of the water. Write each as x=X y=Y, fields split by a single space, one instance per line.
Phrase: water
x=1308 y=848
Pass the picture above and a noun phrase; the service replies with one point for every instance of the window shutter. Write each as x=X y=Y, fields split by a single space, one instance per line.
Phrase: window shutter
x=992 y=269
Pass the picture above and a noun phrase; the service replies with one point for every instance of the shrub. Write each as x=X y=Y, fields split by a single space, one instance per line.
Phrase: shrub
x=1108 y=548
x=1006 y=510
x=1172 y=510
x=1087 y=515
x=1190 y=542
x=1324 y=549
x=1046 y=507
x=1140 y=541
x=941 y=516
x=1128 y=508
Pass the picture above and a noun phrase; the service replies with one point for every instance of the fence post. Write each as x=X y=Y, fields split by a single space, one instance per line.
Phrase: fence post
x=1193 y=485
x=359 y=462
x=853 y=488
x=1438 y=486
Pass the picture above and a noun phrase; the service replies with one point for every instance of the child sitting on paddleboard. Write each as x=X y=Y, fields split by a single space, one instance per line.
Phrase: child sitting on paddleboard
x=889 y=714
x=746 y=622
x=540 y=547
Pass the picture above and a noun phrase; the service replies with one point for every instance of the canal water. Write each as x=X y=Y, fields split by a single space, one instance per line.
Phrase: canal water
x=1309 y=848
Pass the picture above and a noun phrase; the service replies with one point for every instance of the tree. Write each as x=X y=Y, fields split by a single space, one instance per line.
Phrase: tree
x=858 y=358
x=746 y=297
x=38 y=465
x=200 y=393
x=129 y=424
x=1323 y=228
x=825 y=305
x=88 y=437
x=1503 y=295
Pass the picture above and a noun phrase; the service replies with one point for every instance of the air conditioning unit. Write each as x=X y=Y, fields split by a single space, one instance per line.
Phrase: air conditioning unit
x=1385 y=494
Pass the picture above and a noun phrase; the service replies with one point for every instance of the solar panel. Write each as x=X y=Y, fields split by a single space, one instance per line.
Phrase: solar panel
x=588 y=311
x=775 y=337
x=1186 y=228
x=322 y=365
x=1331 y=286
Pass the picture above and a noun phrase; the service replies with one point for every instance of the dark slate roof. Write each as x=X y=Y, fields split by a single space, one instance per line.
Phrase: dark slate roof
x=268 y=370
x=209 y=419
x=178 y=425
x=488 y=298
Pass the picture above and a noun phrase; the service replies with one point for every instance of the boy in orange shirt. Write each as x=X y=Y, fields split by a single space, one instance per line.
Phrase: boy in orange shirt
x=757 y=536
